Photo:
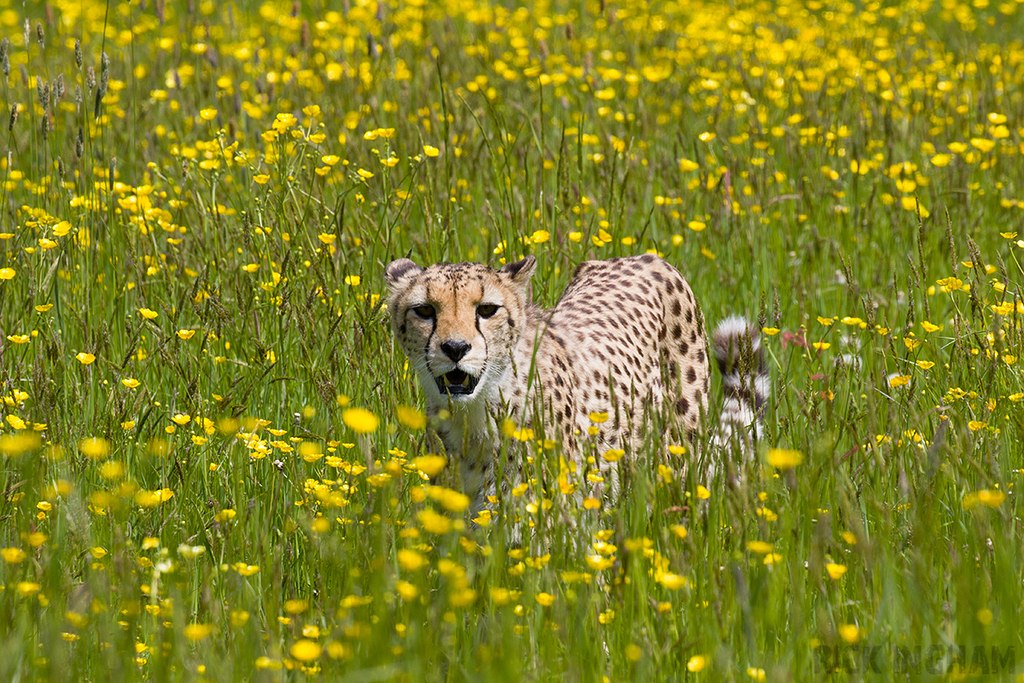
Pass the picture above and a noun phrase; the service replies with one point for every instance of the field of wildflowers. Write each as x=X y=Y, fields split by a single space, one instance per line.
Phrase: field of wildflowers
x=212 y=465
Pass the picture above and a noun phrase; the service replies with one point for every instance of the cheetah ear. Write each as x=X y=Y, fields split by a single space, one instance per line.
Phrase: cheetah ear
x=520 y=272
x=399 y=270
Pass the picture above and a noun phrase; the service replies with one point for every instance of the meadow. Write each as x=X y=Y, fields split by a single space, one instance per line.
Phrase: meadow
x=213 y=464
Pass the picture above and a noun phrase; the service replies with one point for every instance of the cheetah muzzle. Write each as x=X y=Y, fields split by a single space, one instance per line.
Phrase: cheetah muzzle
x=457 y=383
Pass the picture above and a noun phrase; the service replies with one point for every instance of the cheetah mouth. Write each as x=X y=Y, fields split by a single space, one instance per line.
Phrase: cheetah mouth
x=457 y=383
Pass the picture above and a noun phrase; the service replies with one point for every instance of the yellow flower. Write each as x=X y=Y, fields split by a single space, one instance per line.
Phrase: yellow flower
x=434 y=522
x=431 y=465
x=450 y=500
x=975 y=425
x=760 y=547
x=13 y=445
x=430 y=151
x=360 y=420
x=850 y=633
x=925 y=364
x=225 y=515
x=296 y=606
x=411 y=418
x=61 y=229
x=899 y=381
x=784 y=459
x=36 y=539
x=147 y=313
x=539 y=237
x=545 y=599
x=18 y=338
x=149 y=499
x=983 y=144
x=703 y=493
x=696 y=663
x=13 y=555
x=1005 y=308
x=929 y=327
x=27 y=589
x=6 y=273
x=261 y=179
x=186 y=334
x=613 y=454
x=181 y=419
x=111 y=470
x=410 y=560
x=992 y=498
x=130 y=382
x=835 y=571
x=196 y=632
x=950 y=284
x=406 y=590
x=95 y=448
x=85 y=358
x=672 y=581
x=696 y=226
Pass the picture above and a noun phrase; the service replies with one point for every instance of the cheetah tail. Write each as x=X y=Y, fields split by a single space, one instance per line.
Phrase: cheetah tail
x=737 y=347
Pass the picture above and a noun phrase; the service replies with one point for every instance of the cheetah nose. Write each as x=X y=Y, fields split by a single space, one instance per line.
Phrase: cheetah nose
x=455 y=349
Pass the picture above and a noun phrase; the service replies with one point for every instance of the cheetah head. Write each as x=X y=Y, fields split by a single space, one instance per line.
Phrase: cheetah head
x=458 y=323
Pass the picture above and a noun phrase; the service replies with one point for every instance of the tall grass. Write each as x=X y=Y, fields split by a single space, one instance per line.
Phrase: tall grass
x=204 y=468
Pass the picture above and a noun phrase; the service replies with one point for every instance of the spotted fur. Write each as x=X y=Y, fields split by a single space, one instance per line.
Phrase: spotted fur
x=626 y=337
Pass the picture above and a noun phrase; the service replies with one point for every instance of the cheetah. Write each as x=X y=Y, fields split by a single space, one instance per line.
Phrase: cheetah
x=626 y=337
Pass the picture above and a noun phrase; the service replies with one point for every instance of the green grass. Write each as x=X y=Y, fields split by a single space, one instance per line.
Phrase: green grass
x=822 y=168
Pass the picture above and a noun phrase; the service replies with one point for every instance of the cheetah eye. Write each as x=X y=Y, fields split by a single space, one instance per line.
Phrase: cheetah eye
x=426 y=311
x=486 y=310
